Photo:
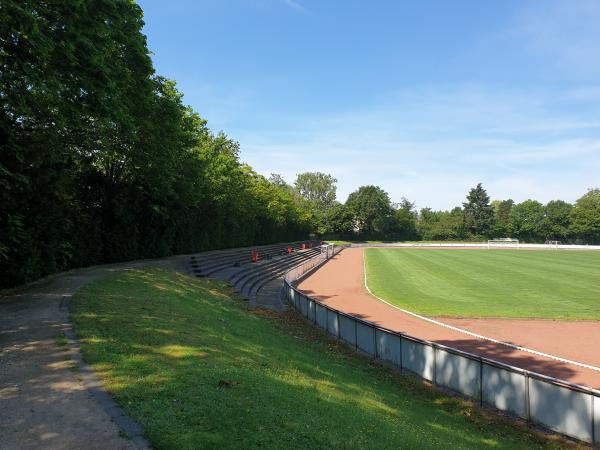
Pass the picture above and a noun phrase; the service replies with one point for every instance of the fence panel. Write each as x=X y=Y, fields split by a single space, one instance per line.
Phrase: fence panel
x=310 y=313
x=321 y=316
x=347 y=330
x=365 y=338
x=561 y=409
x=596 y=401
x=303 y=305
x=504 y=389
x=418 y=358
x=389 y=347
x=333 y=323
x=456 y=372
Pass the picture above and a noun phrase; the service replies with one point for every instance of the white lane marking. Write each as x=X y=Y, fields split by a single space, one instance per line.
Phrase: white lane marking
x=470 y=333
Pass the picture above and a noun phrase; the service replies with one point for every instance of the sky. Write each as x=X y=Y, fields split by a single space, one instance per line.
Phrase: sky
x=424 y=99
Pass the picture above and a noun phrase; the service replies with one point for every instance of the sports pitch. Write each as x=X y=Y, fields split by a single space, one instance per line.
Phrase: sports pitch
x=488 y=283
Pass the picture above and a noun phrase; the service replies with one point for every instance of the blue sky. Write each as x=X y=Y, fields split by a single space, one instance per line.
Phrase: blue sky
x=423 y=98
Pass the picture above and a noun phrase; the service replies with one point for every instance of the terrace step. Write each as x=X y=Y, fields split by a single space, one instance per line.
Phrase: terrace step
x=264 y=276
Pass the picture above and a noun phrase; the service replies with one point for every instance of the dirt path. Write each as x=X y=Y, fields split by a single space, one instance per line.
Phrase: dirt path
x=48 y=398
x=340 y=284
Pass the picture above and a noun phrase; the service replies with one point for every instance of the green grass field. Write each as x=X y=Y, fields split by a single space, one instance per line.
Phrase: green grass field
x=488 y=283
x=186 y=359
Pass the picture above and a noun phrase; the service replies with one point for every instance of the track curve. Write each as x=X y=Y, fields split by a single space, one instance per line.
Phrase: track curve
x=340 y=284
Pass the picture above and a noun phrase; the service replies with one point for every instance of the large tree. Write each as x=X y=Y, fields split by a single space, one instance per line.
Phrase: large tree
x=478 y=213
x=406 y=220
x=371 y=208
x=318 y=188
x=557 y=220
x=339 y=220
x=501 y=226
x=526 y=220
x=586 y=217
x=441 y=225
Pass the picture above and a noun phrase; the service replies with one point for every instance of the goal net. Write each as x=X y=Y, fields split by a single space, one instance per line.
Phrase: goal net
x=504 y=242
x=552 y=244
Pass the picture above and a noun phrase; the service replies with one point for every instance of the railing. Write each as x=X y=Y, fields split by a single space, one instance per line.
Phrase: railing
x=560 y=406
x=520 y=245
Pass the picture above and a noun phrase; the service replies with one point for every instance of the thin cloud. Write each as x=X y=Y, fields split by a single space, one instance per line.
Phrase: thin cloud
x=565 y=33
x=432 y=145
x=293 y=5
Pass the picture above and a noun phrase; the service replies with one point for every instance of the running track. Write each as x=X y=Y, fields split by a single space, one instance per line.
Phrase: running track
x=340 y=285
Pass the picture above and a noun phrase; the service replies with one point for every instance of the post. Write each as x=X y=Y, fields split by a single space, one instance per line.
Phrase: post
x=434 y=374
x=480 y=382
x=527 y=404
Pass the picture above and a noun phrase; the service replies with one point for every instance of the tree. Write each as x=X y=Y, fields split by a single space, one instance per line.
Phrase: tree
x=339 y=221
x=501 y=226
x=279 y=181
x=318 y=188
x=370 y=207
x=526 y=221
x=478 y=213
x=585 y=217
x=441 y=225
x=557 y=220
x=406 y=220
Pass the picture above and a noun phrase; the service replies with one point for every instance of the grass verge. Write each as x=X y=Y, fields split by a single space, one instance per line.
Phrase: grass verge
x=488 y=283
x=185 y=358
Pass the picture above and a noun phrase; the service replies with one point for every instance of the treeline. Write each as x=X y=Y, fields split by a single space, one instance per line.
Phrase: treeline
x=102 y=162
x=369 y=214
x=528 y=221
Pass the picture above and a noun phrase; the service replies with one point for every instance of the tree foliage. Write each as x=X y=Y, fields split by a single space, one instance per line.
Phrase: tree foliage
x=100 y=159
x=317 y=188
x=478 y=213
x=371 y=209
x=586 y=217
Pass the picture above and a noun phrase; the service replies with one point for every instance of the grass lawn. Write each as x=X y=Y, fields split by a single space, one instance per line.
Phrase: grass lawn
x=488 y=283
x=197 y=370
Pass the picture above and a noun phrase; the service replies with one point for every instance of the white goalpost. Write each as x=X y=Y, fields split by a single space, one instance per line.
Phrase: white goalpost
x=553 y=244
x=503 y=242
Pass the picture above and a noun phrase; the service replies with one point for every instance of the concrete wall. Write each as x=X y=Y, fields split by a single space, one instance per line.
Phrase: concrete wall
x=596 y=401
x=321 y=316
x=504 y=389
x=365 y=338
x=333 y=326
x=389 y=347
x=457 y=373
x=561 y=409
x=348 y=330
x=418 y=358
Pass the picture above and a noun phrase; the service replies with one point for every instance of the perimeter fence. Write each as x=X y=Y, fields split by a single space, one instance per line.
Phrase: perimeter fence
x=563 y=407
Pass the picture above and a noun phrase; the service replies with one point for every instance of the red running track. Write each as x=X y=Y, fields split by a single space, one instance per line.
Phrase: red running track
x=340 y=284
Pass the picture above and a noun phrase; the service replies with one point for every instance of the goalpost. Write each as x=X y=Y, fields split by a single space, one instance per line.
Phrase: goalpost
x=553 y=244
x=504 y=242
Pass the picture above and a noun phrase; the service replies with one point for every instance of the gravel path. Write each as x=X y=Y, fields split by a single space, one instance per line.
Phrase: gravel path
x=48 y=397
